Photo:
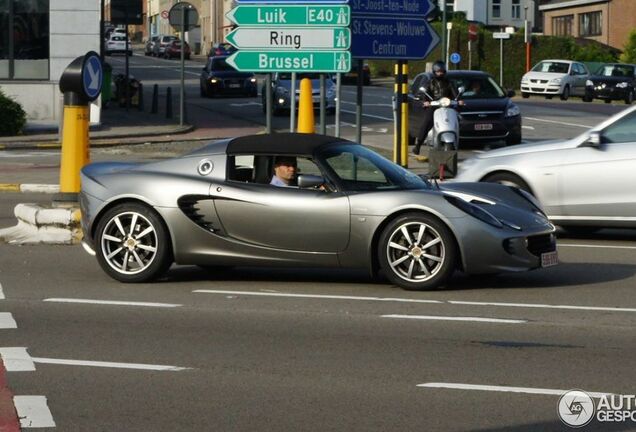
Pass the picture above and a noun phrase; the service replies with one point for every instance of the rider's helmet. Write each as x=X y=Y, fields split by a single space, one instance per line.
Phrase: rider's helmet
x=440 y=67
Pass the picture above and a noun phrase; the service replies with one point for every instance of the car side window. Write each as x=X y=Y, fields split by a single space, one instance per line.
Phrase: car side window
x=259 y=169
x=622 y=131
x=351 y=167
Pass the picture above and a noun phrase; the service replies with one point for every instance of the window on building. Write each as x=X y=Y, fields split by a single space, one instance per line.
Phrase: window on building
x=24 y=39
x=496 y=8
x=516 y=9
x=562 y=25
x=590 y=24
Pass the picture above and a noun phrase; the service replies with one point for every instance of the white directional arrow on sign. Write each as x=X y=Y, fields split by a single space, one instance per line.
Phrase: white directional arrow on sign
x=300 y=38
x=94 y=76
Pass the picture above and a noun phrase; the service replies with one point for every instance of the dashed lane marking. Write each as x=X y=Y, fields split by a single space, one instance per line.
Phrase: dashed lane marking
x=2 y=297
x=559 y=122
x=506 y=389
x=17 y=359
x=112 y=302
x=595 y=246
x=406 y=300
x=102 y=364
x=450 y=318
x=7 y=321
x=33 y=412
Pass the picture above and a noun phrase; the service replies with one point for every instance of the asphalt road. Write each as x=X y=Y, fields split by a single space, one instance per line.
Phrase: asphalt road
x=249 y=349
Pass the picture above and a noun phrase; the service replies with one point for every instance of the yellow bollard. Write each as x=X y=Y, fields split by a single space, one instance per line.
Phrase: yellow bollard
x=306 y=108
x=75 y=152
x=404 y=138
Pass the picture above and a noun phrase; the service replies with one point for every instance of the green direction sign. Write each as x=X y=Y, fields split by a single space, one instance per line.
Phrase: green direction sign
x=291 y=61
x=290 y=38
x=293 y=15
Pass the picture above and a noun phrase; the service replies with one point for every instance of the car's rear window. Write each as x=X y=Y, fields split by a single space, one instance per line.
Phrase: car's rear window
x=616 y=71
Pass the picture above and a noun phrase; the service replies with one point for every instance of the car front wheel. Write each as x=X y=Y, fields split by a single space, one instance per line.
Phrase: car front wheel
x=132 y=243
x=566 y=93
x=417 y=252
x=629 y=99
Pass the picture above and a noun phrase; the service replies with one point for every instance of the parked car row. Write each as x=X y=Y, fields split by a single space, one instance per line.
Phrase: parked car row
x=166 y=46
x=565 y=78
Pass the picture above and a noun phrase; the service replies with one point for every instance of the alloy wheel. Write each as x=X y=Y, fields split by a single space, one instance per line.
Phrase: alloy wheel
x=415 y=251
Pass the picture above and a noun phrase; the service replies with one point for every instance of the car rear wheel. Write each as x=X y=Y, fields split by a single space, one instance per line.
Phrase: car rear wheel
x=629 y=99
x=132 y=243
x=417 y=252
x=513 y=138
x=566 y=93
x=508 y=179
x=525 y=95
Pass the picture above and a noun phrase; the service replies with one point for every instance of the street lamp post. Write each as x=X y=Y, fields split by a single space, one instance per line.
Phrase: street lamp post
x=527 y=37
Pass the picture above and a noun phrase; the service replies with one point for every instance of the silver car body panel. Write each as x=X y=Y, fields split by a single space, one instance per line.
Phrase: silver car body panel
x=577 y=184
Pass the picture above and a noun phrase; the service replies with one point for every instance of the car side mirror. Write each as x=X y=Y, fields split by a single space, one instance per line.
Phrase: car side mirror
x=461 y=90
x=309 y=181
x=593 y=140
x=511 y=93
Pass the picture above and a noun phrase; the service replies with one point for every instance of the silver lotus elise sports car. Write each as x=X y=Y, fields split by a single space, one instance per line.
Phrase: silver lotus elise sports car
x=345 y=206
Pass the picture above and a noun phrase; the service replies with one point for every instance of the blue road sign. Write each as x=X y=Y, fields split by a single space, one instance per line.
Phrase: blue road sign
x=402 y=8
x=455 y=58
x=92 y=75
x=391 y=38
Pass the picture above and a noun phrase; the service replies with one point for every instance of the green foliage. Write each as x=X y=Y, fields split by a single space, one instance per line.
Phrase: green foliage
x=629 y=52
x=13 y=117
x=485 y=53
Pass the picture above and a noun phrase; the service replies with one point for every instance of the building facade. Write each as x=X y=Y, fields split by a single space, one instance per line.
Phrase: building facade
x=498 y=13
x=605 y=21
x=38 y=40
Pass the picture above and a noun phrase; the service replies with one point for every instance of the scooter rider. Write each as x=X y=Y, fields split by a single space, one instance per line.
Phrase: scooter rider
x=438 y=87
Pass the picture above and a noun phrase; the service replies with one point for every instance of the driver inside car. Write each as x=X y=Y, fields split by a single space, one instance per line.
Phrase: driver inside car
x=284 y=171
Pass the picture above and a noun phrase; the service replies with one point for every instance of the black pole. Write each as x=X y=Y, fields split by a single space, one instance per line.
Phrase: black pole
x=155 y=99
x=140 y=100
x=169 y=103
x=359 y=102
x=127 y=82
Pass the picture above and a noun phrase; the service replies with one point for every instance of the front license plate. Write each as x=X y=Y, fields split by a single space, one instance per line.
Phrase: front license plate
x=549 y=259
x=483 y=126
x=234 y=85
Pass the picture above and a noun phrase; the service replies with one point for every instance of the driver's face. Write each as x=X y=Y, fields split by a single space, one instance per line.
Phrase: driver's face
x=285 y=171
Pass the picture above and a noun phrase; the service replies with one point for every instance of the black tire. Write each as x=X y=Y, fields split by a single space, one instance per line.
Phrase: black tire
x=608 y=101
x=566 y=93
x=587 y=98
x=202 y=91
x=513 y=139
x=629 y=98
x=366 y=81
x=525 y=95
x=548 y=97
x=149 y=255
x=509 y=179
x=415 y=270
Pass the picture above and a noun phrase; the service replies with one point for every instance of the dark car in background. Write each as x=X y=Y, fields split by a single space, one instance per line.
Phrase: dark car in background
x=281 y=89
x=218 y=77
x=487 y=114
x=173 y=50
x=221 y=49
x=159 y=47
x=613 y=81
x=352 y=75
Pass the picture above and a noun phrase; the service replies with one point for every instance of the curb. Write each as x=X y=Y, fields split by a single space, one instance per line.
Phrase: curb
x=102 y=141
x=37 y=225
x=29 y=187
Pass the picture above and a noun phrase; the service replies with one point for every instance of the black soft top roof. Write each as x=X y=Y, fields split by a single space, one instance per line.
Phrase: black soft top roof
x=281 y=143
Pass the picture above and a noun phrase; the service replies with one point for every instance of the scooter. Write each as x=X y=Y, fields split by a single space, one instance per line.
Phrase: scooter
x=444 y=135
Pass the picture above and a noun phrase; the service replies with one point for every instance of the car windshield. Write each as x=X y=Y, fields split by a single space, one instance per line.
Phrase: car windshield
x=552 y=67
x=219 y=64
x=478 y=87
x=616 y=71
x=299 y=76
x=360 y=169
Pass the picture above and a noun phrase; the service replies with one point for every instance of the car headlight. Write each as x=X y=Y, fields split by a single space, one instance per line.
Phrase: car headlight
x=524 y=79
x=474 y=210
x=589 y=83
x=513 y=110
x=555 y=81
x=622 y=85
x=253 y=80
x=213 y=80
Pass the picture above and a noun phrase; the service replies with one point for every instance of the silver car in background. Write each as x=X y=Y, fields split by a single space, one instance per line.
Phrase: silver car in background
x=563 y=78
x=349 y=208
x=584 y=183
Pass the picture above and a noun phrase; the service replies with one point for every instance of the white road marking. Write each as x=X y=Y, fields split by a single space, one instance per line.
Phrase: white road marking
x=595 y=246
x=7 y=321
x=527 y=127
x=33 y=411
x=115 y=365
x=452 y=318
x=315 y=296
x=369 y=104
x=558 y=122
x=543 y=306
x=112 y=302
x=17 y=359
x=529 y=390
x=1 y=293
x=406 y=300
x=246 y=104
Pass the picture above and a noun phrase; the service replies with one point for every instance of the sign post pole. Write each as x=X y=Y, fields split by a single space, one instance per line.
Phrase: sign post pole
x=338 y=95
x=184 y=13
x=359 y=102
x=292 y=111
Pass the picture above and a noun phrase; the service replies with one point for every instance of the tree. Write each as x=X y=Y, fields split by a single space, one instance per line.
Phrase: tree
x=629 y=52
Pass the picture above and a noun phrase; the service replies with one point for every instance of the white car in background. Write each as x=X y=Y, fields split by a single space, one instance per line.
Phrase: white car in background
x=116 y=43
x=563 y=78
